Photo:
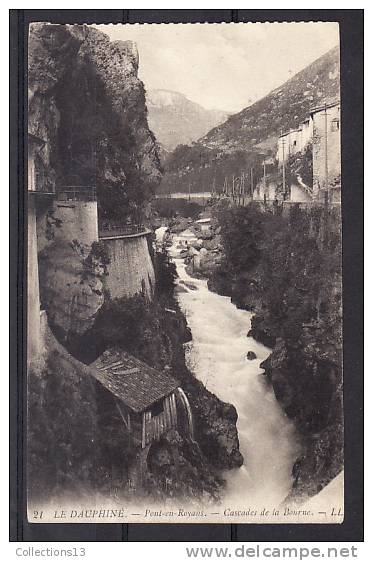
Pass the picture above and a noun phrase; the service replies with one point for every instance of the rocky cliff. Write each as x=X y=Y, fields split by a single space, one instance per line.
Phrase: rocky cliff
x=88 y=104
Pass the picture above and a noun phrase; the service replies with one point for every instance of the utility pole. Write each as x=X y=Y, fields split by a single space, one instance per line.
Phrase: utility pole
x=283 y=166
x=225 y=186
x=326 y=185
x=189 y=192
x=243 y=176
x=252 y=182
x=326 y=158
x=264 y=180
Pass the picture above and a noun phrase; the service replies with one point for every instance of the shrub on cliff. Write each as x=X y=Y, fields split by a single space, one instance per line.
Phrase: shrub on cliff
x=63 y=449
x=165 y=273
x=241 y=234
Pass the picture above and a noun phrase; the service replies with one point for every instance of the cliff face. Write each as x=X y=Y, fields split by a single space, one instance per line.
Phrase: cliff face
x=87 y=102
x=63 y=444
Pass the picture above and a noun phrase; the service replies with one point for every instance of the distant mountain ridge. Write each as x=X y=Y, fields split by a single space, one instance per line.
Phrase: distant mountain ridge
x=175 y=119
x=258 y=126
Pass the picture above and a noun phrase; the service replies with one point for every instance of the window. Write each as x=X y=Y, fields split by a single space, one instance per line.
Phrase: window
x=335 y=125
x=157 y=408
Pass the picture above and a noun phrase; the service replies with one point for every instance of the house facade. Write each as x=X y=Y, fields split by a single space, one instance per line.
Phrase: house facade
x=321 y=131
x=326 y=144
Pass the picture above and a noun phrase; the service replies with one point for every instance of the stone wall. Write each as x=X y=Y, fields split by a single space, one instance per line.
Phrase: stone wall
x=33 y=299
x=131 y=269
x=78 y=221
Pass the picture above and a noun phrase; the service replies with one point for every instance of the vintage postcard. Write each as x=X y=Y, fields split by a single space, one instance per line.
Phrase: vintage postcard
x=184 y=325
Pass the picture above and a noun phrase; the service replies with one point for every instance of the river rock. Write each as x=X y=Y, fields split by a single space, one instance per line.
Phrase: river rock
x=179 y=289
x=215 y=423
x=188 y=284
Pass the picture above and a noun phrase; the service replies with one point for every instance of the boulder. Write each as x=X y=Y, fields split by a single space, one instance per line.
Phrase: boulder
x=251 y=355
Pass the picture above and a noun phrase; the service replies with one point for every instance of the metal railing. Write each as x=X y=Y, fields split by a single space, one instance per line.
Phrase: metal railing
x=113 y=230
x=76 y=193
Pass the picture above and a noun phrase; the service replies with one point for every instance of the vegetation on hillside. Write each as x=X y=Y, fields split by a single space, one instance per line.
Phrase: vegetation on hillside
x=199 y=168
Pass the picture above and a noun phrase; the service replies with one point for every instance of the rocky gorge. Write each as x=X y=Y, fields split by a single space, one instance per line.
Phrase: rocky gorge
x=285 y=267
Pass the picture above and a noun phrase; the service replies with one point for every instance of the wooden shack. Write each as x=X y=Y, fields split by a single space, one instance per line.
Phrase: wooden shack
x=150 y=401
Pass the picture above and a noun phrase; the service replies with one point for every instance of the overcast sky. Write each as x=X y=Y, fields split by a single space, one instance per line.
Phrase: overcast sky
x=225 y=66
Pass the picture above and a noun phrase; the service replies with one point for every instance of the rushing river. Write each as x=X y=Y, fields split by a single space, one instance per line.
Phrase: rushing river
x=217 y=357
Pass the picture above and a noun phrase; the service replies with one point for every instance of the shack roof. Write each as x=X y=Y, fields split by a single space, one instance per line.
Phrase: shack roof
x=134 y=382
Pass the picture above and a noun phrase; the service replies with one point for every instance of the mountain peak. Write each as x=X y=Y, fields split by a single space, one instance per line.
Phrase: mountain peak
x=175 y=119
x=161 y=98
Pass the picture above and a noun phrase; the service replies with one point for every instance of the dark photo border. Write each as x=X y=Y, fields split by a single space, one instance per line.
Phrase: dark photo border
x=351 y=33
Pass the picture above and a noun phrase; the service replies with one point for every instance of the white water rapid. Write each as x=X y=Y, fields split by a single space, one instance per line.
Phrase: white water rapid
x=217 y=357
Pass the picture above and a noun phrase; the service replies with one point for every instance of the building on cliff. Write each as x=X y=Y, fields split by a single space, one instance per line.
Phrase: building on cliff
x=320 y=131
x=326 y=152
x=35 y=190
x=150 y=403
x=294 y=141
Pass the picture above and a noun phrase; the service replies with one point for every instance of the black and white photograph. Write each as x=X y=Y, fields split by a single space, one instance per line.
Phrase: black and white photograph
x=184 y=273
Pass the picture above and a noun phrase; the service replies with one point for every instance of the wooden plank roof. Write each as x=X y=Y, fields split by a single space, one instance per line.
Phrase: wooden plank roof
x=134 y=382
